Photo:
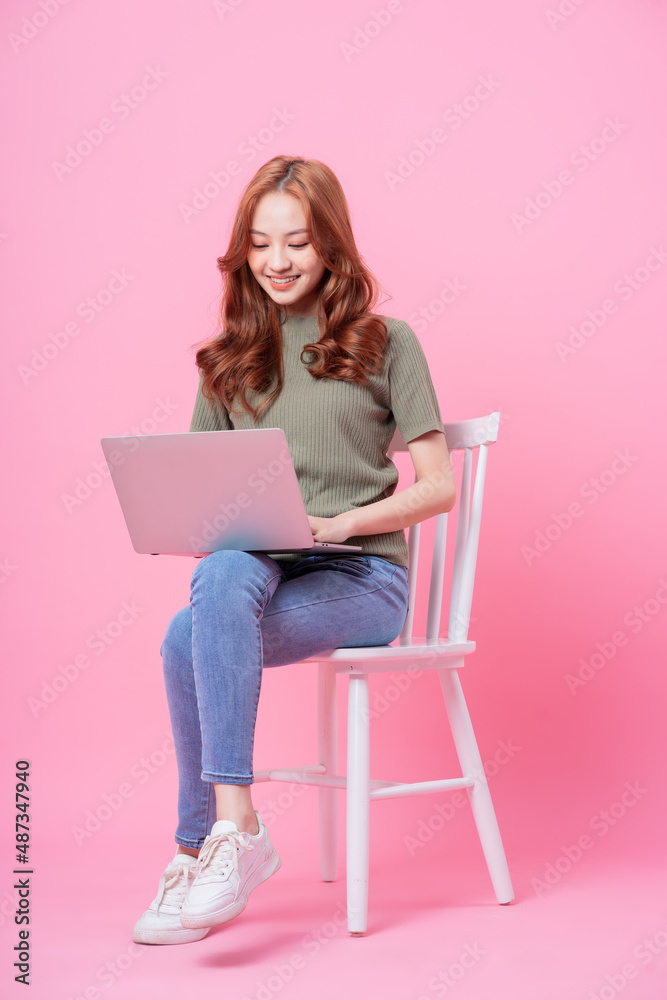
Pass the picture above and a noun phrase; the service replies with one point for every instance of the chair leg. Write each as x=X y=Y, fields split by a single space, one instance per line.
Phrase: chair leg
x=480 y=796
x=358 y=803
x=327 y=754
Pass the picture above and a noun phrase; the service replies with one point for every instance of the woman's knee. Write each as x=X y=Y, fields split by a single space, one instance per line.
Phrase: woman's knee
x=230 y=577
x=177 y=642
x=224 y=562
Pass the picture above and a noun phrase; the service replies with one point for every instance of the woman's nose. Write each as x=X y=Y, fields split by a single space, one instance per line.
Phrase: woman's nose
x=278 y=259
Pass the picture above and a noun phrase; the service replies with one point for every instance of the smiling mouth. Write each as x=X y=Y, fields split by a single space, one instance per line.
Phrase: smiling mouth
x=283 y=281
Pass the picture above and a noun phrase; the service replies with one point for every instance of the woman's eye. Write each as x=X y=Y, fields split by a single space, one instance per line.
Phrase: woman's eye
x=263 y=246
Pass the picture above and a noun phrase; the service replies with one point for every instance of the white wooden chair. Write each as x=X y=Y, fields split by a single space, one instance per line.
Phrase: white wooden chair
x=446 y=655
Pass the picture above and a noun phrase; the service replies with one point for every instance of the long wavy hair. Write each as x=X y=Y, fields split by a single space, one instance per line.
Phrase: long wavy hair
x=246 y=352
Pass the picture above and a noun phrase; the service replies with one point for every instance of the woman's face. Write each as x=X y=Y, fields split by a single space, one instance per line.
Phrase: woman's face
x=281 y=249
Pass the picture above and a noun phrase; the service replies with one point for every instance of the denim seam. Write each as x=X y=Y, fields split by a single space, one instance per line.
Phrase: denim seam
x=218 y=778
x=190 y=843
x=204 y=792
x=204 y=774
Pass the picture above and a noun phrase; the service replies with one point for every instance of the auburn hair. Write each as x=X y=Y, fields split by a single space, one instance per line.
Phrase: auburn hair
x=246 y=353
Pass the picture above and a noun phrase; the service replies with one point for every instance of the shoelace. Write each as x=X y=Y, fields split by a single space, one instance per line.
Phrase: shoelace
x=174 y=883
x=219 y=854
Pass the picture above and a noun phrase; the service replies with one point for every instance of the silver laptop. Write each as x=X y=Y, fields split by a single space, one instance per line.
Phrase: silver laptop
x=193 y=493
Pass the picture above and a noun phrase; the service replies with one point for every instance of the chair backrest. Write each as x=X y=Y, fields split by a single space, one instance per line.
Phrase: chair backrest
x=467 y=436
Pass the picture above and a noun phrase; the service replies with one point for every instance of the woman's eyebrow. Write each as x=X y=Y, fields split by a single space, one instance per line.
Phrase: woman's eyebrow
x=292 y=232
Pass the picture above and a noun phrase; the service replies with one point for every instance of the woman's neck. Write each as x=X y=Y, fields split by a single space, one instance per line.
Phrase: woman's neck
x=296 y=318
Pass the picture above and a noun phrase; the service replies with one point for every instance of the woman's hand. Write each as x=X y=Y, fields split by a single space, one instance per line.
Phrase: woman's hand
x=331 y=529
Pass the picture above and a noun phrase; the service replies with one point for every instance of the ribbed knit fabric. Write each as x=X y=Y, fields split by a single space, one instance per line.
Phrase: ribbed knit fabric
x=338 y=432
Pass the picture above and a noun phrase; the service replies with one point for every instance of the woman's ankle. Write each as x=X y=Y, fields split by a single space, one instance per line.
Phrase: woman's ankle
x=192 y=851
x=234 y=802
x=246 y=822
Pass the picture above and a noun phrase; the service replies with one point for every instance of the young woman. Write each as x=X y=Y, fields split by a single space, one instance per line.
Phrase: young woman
x=299 y=349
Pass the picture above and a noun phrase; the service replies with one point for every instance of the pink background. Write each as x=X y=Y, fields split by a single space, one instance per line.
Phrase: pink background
x=555 y=82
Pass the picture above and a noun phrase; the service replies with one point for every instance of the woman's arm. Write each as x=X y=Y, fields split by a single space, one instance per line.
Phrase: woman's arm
x=433 y=493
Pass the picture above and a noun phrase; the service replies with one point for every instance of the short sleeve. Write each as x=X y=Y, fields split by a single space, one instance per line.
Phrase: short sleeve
x=414 y=403
x=209 y=415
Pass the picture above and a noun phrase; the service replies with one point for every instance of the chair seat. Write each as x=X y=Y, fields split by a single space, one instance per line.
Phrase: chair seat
x=430 y=655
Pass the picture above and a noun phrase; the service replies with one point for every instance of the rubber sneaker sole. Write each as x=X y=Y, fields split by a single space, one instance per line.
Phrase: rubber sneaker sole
x=163 y=935
x=221 y=916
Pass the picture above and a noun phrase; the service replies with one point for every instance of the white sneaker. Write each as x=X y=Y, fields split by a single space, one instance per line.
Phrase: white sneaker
x=231 y=864
x=160 y=923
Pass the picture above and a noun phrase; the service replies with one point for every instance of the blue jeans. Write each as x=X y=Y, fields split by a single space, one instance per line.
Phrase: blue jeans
x=248 y=611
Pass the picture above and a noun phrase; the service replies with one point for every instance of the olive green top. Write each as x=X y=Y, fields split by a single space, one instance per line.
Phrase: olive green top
x=338 y=432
